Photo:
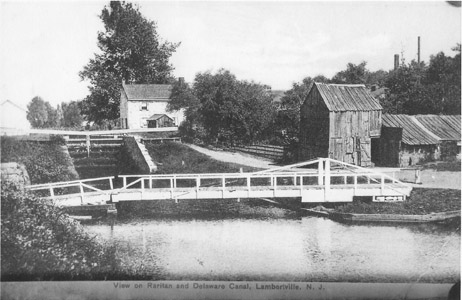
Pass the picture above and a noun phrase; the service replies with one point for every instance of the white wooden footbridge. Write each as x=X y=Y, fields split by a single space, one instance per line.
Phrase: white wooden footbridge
x=326 y=181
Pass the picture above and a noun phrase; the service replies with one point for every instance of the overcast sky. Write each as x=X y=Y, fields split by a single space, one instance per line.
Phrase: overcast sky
x=45 y=44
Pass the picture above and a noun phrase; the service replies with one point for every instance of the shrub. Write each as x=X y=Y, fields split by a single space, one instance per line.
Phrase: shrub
x=45 y=162
x=40 y=242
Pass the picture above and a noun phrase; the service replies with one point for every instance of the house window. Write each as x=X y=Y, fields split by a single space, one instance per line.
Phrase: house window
x=144 y=106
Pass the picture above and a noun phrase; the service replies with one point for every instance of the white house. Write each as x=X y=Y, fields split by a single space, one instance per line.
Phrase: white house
x=13 y=119
x=140 y=103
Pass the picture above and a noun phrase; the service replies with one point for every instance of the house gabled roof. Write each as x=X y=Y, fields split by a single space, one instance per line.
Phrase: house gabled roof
x=147 y=91
x=446 y=127
x=346 y=97
x=414 y=133
x=14 y=104
x=158 y=116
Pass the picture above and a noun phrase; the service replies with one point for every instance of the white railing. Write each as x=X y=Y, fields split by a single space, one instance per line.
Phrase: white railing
x=81 y=184
x=326 y=177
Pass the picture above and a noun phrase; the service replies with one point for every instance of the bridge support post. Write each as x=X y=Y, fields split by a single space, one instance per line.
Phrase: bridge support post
x=88 y=144
x=327 y=181
x=320 y=172
x=223 y=185
x=81 y=193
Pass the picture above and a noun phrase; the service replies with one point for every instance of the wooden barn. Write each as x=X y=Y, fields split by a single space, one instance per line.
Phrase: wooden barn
x=338 y=122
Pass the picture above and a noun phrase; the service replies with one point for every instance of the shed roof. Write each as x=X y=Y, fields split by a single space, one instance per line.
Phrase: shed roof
x=147 y=91
x=158 y=116
x=414 y=133
x=446 y=127
x=347 y=97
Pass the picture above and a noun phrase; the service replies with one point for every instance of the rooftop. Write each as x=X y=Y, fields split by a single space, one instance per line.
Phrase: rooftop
x=147 y=91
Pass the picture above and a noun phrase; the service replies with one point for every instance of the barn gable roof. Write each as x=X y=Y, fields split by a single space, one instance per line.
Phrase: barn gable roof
x=347 y=97
x=414 y=133
x=447 y=128
x=147 y=91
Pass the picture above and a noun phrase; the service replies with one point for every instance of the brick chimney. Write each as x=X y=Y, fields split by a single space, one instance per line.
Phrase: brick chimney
x=181 y=81
x=396 y=61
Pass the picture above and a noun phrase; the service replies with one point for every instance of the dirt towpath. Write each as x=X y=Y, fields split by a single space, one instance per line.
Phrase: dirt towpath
x=236 y=157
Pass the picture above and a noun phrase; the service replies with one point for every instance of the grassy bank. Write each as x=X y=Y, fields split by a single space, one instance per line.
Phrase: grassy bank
x=421 y=201
x=44 y=161
x=174 y=157
x=40 y=242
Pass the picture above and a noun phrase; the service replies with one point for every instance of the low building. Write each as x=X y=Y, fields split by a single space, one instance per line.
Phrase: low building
x=13 y=119
x=338 y=121
x=409 y=140
x=140 y=102
x=160 y=120
x=448 y=130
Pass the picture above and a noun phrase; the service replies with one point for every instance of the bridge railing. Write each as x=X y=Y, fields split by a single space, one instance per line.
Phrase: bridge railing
x=73 y=187
x=273 y=180
x=329 y=174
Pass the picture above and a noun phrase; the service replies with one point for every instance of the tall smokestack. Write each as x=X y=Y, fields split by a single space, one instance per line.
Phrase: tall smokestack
x=396 y=61
x=418 y=49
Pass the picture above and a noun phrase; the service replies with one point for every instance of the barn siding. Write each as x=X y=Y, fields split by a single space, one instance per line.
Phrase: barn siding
x=345 y=128
x=314 y=127
x=340 y=125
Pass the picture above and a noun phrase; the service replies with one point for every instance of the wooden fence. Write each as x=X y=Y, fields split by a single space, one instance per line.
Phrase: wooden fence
x=268 y=151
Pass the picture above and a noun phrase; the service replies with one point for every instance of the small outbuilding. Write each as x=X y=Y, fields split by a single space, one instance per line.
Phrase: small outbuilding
x=338 y=121
x=409 y=140
x=160 y=120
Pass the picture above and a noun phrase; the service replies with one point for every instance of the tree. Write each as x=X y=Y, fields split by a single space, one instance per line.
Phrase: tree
x=443 y=79
x=37 y=112
x=131 y=51
x=354 y=74
x=219 y=107
x=183 y=97
x=419 y=89
x=288 y=116
x=72 y=116
x=53 y=118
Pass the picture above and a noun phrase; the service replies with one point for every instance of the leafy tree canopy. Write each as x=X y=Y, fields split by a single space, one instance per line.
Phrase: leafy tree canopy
x=420 y=89
x=37 y=112
x=41 y=114
x=131 y=51
x=71 y=114
x=219 y=107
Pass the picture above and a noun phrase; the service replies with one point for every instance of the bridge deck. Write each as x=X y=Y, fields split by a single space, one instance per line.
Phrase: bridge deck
x=311 y=186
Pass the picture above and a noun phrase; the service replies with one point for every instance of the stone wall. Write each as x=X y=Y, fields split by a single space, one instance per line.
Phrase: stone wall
x=139 y=154
x=70 y=164
x=15 y=173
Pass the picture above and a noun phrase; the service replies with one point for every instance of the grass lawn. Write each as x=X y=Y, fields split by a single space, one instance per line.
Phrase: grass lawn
x=176 y=158
x=421 y=201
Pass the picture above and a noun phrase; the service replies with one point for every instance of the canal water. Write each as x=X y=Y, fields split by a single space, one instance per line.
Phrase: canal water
x=284 y=249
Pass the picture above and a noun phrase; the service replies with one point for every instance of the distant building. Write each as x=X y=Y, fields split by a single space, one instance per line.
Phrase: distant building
x=409 y=140
x=13 y=119
x=338 y=122
x=142 y=104
x=378 y=92
x=277 y=98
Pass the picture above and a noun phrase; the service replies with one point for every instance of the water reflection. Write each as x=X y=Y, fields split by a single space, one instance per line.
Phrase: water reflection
x=305 y=249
